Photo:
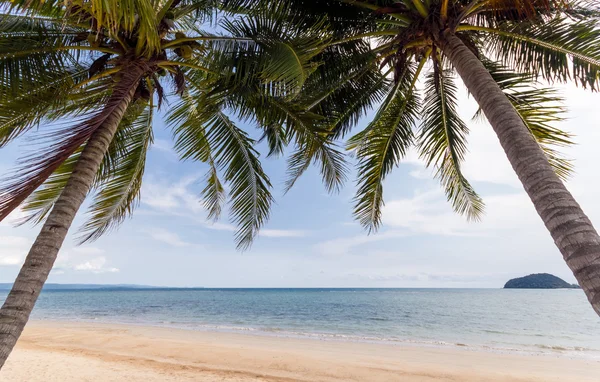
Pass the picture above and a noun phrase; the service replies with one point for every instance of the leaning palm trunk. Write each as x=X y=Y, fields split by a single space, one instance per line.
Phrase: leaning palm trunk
x=570 y=228
x=15 y=312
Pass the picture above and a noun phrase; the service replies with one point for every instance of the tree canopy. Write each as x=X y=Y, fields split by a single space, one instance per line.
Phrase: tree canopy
x=63 y=64
x=389 y=55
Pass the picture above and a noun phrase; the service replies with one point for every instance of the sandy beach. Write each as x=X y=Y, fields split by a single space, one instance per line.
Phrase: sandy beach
x=69 y=352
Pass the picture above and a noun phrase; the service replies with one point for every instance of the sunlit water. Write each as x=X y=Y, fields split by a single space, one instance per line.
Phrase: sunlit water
x=558 y=322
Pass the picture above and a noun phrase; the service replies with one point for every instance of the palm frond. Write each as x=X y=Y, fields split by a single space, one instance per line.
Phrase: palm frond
x=344 y=18
x=40 y=202
x=283 y=122
x=443 y=143
x=331 y=163
x=275 y=136
x=191 y=143
x=120 y=181
x=35 y=168
x=558 y=50
x=347 y=87
x=204 y=133
x=61 y=143
x=32 y=53
x=540 y=109
x=214 y=193
x=289 y=46
x=47 y=101
x=494 y=11
x=250 y=198
x=381 y=146
x=314 y=145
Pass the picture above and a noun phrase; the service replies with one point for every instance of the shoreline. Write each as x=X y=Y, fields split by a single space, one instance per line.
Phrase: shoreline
x=538 y=350
x=75 y=351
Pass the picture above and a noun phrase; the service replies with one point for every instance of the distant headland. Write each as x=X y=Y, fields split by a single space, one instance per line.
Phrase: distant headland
x=539 y=281
x=52 y=287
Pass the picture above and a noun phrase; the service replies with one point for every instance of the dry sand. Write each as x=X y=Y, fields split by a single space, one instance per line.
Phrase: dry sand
x=69 y=352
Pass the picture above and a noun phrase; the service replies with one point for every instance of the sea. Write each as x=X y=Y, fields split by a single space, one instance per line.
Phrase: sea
x=540 y=322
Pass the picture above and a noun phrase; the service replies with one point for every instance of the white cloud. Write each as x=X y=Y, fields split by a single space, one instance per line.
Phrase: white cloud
x=167 y=237
x=430 y=213
x=163 y=145
x=219 y=226
x=13 y=250
x=424 y=213
x=415 y=276
x=486 y=162
x=511 y=237
x=282 y=233
x=8 y=259
x=345 y=245
x=178 y=200
x=95 y=265
x=86 y=251
x=13 y=218
x=14 y=241
x=175 y=198
x=273 y=233
x=78 y=259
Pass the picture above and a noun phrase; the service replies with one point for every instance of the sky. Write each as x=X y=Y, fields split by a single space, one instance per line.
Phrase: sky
x=312 y=239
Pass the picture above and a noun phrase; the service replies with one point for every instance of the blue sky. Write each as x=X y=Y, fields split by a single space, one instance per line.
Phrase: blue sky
x=312 y=239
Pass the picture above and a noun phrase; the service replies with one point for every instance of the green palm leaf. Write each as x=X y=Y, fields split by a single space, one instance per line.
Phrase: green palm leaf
x=120 y=179
x=40 y=202
x=314 y=145
x=250 y=198
x=214 y=193
x=557 y=50
x=382 y=145
x=206 y=134
x=443 y=143
x=115 y=16
x=540 y=109
x=290 y=49
x=346 y=89
x=31 y=53
x=192 y=143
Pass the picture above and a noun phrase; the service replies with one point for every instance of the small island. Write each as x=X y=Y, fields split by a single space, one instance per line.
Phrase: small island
x=539 y=281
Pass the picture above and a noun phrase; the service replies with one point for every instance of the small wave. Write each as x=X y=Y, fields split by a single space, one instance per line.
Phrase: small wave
x=565 y=348
x=506 y=348
x=550 y=347
x=272 y=330
x=378 y=319
x=95 y=315
x=494 y=331
x=224 y=328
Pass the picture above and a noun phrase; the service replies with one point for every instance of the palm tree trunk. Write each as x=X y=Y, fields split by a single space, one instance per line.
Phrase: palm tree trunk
x=572 y=231
x=15 y=312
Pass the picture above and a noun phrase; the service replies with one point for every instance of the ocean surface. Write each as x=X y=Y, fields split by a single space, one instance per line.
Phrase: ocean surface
x=557 y=322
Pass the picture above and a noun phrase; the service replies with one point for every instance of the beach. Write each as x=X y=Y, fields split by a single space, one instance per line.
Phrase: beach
x=67 y=351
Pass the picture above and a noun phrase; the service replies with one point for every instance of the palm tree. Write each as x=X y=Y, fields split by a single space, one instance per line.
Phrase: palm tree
x=89 y=75
x=499 y=49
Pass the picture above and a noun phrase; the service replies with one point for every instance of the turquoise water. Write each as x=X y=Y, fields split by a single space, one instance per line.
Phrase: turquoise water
x=558 y=322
